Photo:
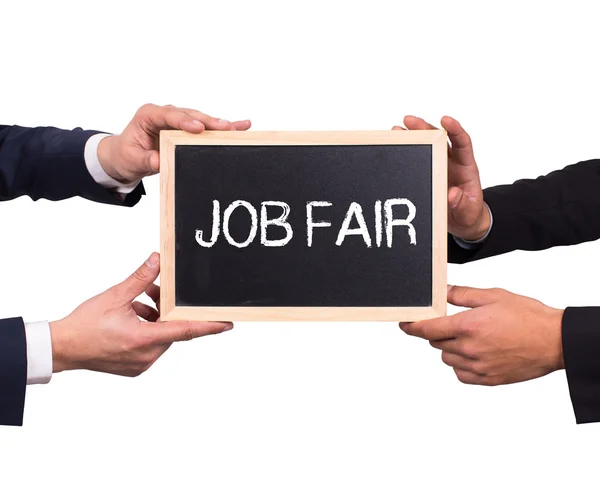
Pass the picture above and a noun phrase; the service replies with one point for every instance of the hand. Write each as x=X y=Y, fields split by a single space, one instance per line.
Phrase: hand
x=468 y=218
x=133 y=154
x=106 y=334
x=507 y=338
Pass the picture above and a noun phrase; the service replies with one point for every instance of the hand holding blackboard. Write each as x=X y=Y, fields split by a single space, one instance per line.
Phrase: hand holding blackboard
x=303 y=226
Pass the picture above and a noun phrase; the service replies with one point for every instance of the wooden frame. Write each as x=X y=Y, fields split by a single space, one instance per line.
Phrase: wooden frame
x=436 y=138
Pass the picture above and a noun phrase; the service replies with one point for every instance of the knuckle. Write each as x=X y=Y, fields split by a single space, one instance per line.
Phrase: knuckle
x=146 y=108
x=424 y=331
x=463 y=292
x=461 y=377
x=480 y=367
x=139 y=340
x=464 y=327
x=187 y=334
x=446 y=358
x=140 y=274
x=490 y=382
x=146 y=360
x=469 y=350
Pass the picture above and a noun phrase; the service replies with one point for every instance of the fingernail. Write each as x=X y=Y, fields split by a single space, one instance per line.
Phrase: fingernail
x=449 y=287
x=228 y=327
x=197 y=122
x=223 y=121
x=153 y=260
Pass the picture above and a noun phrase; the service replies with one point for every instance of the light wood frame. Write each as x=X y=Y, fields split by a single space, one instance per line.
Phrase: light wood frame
x=170 y=311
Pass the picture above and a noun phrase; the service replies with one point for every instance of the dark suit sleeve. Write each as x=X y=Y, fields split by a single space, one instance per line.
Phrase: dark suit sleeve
x=49 y=163
x=13 y=371
x=562 y=208
x=581 y=345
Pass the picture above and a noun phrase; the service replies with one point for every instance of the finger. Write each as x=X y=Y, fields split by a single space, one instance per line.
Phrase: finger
x=140 y=280
x=153 y=292
x=455 y=345
x=172 y=331
x=242 y=125
x=459 y=362
x=154 y=118
x=396 y=128
x=462 y=147
x=468 y=377
x=471 y=297
x=465 y=208
x=145 y=312
x=210 y=122
x=154 y=160
x=413 y=122
x=445 y=327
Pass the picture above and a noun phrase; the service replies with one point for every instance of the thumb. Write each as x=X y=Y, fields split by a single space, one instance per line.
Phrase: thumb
x=153 y=162
x=141 y=279
x=471 y=297
x=465 y=208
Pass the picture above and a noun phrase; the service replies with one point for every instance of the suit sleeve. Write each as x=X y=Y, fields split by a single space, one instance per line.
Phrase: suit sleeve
x=49 y=163
x=561 y=208
x=13 y=371
x=581 y=345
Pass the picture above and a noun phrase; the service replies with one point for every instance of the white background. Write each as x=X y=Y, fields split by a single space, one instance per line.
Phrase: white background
x=295 y=403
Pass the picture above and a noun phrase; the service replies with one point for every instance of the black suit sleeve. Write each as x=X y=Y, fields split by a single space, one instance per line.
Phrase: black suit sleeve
x=13 y=371
x=49 y=163
x=562 y=208
x=40 y=163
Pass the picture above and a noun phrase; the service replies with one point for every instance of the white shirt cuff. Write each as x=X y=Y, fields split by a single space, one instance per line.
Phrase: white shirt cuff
x=39 y=352
x=474 y=244
x=95 y=168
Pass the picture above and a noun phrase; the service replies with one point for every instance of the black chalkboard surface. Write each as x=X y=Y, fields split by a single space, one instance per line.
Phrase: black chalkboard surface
x=307 y=226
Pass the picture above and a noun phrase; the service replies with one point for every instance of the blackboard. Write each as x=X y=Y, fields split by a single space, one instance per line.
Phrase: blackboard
x=306 y=226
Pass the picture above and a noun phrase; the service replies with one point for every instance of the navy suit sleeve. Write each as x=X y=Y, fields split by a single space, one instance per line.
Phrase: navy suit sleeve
x=49 y=163
x=13 y=371
x=561 y=208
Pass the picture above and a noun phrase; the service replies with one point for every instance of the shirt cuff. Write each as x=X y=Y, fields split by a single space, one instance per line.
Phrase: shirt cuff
x=39 y=352
x=96 y=170
x=474 y=244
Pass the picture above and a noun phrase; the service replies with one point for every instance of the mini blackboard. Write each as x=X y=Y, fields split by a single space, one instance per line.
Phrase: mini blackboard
x=303 y=225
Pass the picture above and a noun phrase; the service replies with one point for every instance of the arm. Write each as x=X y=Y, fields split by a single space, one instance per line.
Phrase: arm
x=103 y=334
x=508 y=338
x=49 y=163
x=560 y=208
x=57 y=164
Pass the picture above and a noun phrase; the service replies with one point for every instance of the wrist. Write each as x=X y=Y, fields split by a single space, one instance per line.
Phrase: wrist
x=107 y=153
x=60 y=345
x=557 y=361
